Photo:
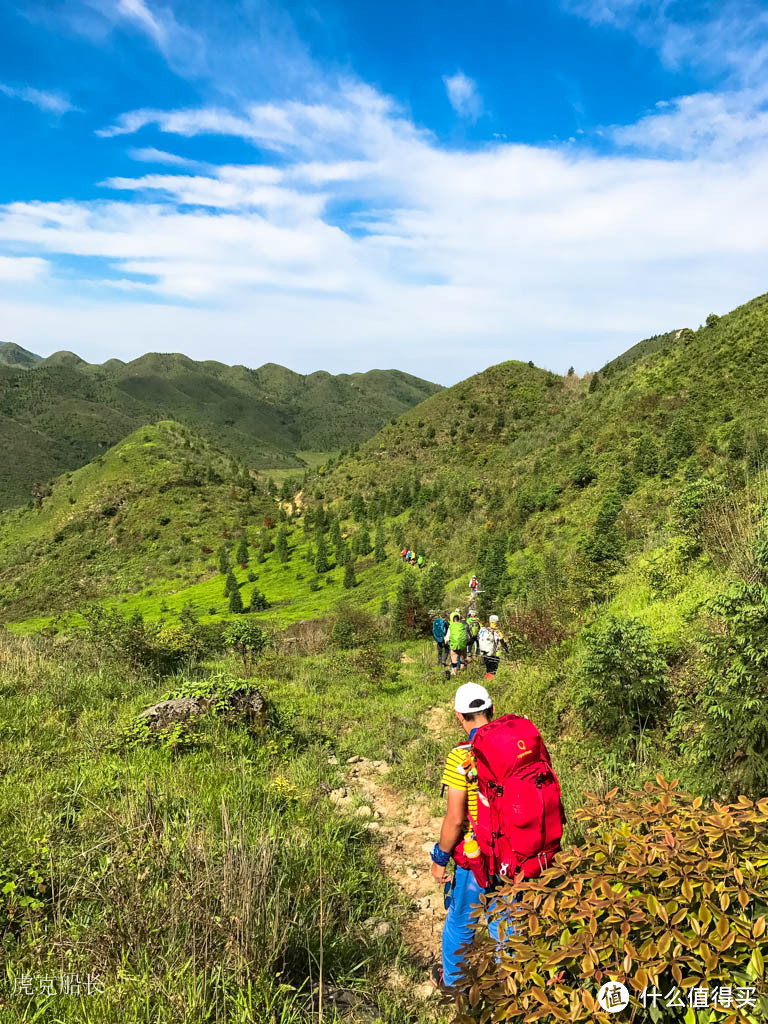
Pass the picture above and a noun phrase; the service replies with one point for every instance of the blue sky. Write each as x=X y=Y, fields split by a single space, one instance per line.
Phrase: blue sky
x=340 y=185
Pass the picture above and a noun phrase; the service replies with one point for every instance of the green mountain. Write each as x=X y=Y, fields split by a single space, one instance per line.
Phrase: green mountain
x=72 y=411
x=156 y=505
x=15 y=355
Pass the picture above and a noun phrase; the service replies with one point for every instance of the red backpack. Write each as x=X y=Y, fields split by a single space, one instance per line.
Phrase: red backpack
x=520 y=813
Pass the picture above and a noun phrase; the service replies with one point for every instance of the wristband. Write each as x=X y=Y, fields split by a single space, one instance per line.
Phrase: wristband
x=440 y=857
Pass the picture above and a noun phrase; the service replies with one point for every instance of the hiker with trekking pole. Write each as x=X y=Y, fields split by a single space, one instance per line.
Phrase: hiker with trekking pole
x=503 y=821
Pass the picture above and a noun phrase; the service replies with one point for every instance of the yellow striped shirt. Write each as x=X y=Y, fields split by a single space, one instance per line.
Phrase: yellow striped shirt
x=460 y=773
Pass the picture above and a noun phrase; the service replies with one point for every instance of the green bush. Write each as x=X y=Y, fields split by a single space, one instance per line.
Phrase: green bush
x=732 y=749
x=662 y=894
x=142 y=645
x=246 y=638
x=622 y=684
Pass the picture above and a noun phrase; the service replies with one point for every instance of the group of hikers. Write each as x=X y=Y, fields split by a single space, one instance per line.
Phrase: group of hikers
x=411 y=558
x=462 y=637
x=503 y=822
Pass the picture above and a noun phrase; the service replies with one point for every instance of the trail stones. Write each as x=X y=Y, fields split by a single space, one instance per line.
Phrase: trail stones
x=364 y=811
x=355 y=759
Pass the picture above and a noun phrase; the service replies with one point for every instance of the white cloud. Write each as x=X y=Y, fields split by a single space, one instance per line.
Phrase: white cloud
x=463 y=95
x=150 y=155
x=723 y=125
x=20 y=269
x=366 y=242
x=49 y=102
x=714 y=37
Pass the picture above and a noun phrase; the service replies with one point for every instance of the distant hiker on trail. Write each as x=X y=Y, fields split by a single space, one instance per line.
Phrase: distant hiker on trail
x=490 y=641
x=420 y=561
x=473 y=631
x=440 y=633
x=457 y=638
x=474 y=586
x=506 y=762
x=404 y=554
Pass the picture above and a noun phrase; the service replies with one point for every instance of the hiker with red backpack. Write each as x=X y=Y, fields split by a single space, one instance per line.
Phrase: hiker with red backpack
x=504 y=818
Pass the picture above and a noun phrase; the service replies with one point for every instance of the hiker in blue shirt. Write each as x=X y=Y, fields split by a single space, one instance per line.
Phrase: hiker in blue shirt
x=440 y=633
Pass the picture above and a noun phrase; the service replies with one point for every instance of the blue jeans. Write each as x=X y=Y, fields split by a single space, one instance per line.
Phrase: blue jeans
x=458 y=929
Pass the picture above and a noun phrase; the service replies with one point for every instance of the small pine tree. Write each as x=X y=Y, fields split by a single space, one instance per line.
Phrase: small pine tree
x=433 y=582
x=342 y=553
x=362 y=542
x=350 y=580
x=223 y=560
x=258 y=601
x=230 y=583
x=334 y=532
x=406 y=605
x=379 y=550
x=235 y=600
x=321 y=557
x=241 y=555
x=281 y=545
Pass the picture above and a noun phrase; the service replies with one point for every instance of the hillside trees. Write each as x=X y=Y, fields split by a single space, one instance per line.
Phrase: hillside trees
x=379 y=549
x=350 y=580
x=407 y=606
x=433 y=581
x=241 y=554
x=492 y=571
x=281 y=545
x=322 y=564
x=235 y=600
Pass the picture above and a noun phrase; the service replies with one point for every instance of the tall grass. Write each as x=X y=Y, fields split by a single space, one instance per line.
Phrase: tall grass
x=203 y=881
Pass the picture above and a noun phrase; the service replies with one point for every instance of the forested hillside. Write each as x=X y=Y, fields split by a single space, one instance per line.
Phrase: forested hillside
x=71 y=411
x=618 y=527
x=618 y=524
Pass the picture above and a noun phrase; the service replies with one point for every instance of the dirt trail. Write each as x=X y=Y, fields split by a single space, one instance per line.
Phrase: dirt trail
x=408 y=831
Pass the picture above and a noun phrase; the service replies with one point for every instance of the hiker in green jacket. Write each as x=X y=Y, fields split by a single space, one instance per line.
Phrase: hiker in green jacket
x=457 y=637
x=473 y=631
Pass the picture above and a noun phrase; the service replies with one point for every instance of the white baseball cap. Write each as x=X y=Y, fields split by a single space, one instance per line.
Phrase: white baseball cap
x=471 y=697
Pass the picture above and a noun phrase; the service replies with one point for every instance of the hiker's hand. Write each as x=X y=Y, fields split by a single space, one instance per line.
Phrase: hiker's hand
x=439 y=874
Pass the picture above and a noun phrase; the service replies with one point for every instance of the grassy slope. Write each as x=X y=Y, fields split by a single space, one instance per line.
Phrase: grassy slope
x=262 y=416
x=100 y=537
x=122 y=835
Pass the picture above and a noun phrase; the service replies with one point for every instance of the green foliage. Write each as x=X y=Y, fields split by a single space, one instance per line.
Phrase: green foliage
x=732 y=748
x=322 y=564
x=432 y=589
x=623 y=679
x=687 y=883
x=606 y=542
x=259 y=601
x=139 y=644
x=647 y=455
x=407 y=606
x=379 y=550
x=350 y=579
x=247 y=639
x=361 y=542
x=241 y=554
x=230 y=584
x=224 y=563
x=281 y=545
x=235 y=600
x=494 y=579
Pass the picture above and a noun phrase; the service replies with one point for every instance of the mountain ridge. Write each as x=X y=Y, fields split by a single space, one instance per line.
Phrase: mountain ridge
x=264 y=416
